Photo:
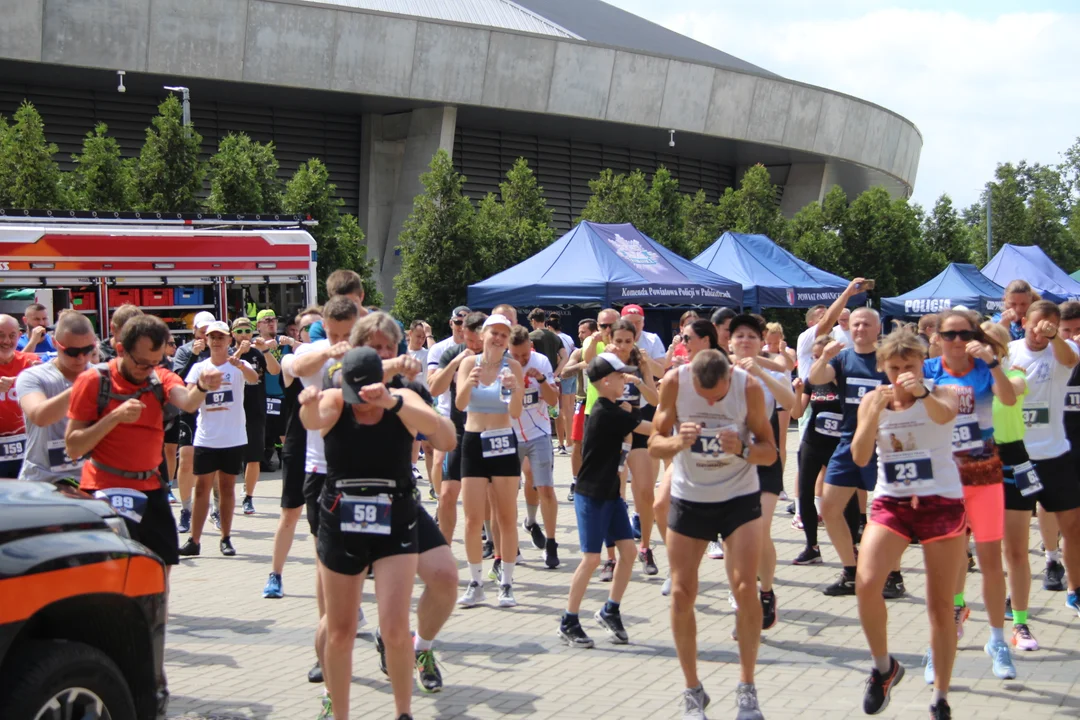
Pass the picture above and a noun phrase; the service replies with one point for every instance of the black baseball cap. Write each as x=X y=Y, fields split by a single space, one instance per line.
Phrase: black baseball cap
x=360 y=367
x=605 y=364
x=460 y=310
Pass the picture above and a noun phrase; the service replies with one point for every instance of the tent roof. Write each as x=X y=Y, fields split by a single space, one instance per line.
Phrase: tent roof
x=957 y=284
x=605 y=264
x=769 y=274
x=1029 y=262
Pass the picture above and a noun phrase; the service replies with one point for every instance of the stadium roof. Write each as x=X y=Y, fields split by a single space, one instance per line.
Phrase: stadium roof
x=590 y=20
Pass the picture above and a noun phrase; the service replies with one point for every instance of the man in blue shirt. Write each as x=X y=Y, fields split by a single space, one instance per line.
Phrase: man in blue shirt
x=36 y=338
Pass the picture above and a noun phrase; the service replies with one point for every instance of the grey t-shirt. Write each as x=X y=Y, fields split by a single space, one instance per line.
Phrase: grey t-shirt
x=45 y=458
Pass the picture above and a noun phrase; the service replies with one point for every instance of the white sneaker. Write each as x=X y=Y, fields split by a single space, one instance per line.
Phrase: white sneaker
x=361 y=621
x=715 y=551
x=473 y=596
x=666 y=589
x=731 y=601
x=506 y=597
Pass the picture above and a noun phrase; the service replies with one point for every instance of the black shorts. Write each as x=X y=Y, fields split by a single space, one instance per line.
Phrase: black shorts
x=771 y=478
x=10 y=469
x=352 y=553
x=313 y=487
x=275 y=428
x=474 y=464
x=225 y=460
x=256 y=439
x=706 y=521
x=1060 y=478
x=452 y=462
x=172 y=432
x=639 y=441
x=186 y=432
x=292 y=482
x=428 y=534
x=648 y=412
x=157 y=530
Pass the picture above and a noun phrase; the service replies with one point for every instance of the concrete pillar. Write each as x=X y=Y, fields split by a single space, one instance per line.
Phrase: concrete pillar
x=382 y=148
x=805 y=184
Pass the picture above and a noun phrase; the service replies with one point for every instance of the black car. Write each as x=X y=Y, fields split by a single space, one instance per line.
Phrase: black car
x=82 y=610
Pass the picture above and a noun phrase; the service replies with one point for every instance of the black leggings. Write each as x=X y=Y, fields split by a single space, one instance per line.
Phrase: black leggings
x=811 y=461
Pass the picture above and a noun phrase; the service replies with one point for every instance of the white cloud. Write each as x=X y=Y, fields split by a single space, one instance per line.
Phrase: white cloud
x=981 y=89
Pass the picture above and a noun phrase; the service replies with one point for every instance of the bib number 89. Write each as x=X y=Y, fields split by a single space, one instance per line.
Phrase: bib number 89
x=122 y=502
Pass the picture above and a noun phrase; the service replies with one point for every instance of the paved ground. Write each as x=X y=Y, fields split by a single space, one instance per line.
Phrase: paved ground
x=232 y=654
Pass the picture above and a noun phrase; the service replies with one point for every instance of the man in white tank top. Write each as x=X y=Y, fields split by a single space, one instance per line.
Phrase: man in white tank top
x=714 y=409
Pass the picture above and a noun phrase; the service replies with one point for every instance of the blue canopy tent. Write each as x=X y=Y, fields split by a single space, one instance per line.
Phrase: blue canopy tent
x=957 y=284
x=770 y=275
x=597 y=264
x=1029 y=262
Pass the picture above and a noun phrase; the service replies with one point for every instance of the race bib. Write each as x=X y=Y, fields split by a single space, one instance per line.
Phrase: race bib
x=911 y=470
x=496 y=443
x=12 y=447
x=828 y=424
x=273 y=406
x=707 y=445
x=623 y=454
x=532 y=396
x=127 y=503
x=855 y=389
x=219 y=398
x=631 y=394
x=1027 y=480
x=369 y=514
x=1037 y=415
x=966 y=434
x=59 y=461
x=1072 y=399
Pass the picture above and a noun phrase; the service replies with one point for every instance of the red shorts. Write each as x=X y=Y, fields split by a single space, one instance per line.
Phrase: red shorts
x=577 y=430
x=985 y=506
x=932 y=518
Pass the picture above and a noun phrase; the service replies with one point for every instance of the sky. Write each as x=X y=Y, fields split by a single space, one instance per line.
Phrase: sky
x=985 y=82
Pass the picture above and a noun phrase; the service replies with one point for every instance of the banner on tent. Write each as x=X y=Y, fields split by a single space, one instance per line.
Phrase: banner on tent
x=687 y=294
x=646 y=261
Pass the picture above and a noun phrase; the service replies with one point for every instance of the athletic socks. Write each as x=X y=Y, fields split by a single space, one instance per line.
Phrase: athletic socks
x=883 y=664
x=507 y=572
x=530 y=513
x=475 y=569
x=569 y=619
x=939 y=695
x=958 y=600
x=997 y=635
x=186 y=505
x=611 y=607
x=849 y=571
x=1053 y=556
x=1020 y=617
x=420 y=644
x=817 y=504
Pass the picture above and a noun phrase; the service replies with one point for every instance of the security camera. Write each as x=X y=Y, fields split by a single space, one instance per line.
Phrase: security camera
x=120 y=87
x=671 y=142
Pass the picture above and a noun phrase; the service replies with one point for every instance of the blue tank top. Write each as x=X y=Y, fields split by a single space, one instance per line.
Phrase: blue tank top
x=488 y=398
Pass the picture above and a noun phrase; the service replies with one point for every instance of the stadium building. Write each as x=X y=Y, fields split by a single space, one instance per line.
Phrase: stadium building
x=375 y=87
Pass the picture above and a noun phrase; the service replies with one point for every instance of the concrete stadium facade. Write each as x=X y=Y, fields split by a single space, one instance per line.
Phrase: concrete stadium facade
x=378 y=86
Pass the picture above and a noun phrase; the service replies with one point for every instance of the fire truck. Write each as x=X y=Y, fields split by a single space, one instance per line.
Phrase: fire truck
x=172 y=266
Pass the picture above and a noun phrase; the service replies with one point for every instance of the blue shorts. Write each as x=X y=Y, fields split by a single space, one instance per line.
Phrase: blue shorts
x=601 y=520
x=568 y=386
x=843 y=472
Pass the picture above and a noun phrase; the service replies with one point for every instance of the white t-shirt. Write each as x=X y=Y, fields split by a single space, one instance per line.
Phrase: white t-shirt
x=652 y=345
x=1044 y=406
x=315 y=457
x=46 y=457
x=804 y=351
x=421 y=357
x=221 y=422
x=534 y=420
x=435 y=353
x=841 y=335
x=568 y=342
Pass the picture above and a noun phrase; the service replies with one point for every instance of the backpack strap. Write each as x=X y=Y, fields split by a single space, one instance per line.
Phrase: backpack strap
x=106 y=394
x=104 y=388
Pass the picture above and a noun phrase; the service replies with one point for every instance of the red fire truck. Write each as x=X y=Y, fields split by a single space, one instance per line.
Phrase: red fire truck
x=171 y=266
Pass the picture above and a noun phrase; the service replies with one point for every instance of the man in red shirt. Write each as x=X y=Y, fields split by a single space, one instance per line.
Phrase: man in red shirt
x=12 y=423
x=124 y=439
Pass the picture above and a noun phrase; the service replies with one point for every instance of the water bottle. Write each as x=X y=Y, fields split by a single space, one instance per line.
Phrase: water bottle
x=504 y=377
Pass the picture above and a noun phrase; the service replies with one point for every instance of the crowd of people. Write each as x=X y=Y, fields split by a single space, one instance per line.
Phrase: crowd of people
x=951 y=434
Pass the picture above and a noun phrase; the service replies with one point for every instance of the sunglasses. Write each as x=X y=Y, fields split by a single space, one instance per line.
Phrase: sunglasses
x=605 y=326
x=171 y=343
x=950 y=335
x=74 y=352
x=242 y=331
x=459 y=322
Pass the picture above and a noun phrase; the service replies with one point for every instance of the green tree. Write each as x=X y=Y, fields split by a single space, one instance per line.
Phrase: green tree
x=814 y=233
x=701 y=224
x=101 y=180
x=945 y=234
x=29 y=177
x=1007 y=209
x=516 y=224
x=243 y=177
x=167 y=176
x=338 y=238
x=752 y=208
x=440 y=257
x=882 y=238
x=618 y=198
x=665 y=218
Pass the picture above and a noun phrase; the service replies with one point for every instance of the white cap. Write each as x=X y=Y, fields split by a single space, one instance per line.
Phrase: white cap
x=203 y=319
x=498 y=320
x=960 y=307
x=218 y=326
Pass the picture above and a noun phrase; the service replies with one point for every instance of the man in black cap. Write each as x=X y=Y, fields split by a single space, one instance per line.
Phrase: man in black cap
x=435 y=353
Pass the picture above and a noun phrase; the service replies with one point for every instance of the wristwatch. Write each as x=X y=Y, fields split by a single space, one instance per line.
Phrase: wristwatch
x=397 y=405
x=745 y=454
x=994 y=364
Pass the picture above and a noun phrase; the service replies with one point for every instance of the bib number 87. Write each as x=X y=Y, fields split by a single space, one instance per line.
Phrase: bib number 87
x=217 y=398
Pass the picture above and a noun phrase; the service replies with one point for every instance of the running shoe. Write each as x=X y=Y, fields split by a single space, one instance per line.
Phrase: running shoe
x=715 y=550
x=562 y=450
x=431 y=493
x=971 y=562
x=648 y=564
x=960 y=616
x=694 y=702
x=314 y=675
x=747 y=703
x=216 y=517
x=612 y=622
x=809 y=556
x=797 y=523
x=496 y=570
x=551 y=553
x=489 y=549
x=474 y=595
x=172 y=498
x=635 y=525
x=783 y=497
x=1008 y=608
x=272 y=590
x=607 y=571
x=249 y=505
x=570 y=495
x=894 y=587
x=768 y=609
x=538 y=538
x=1072 y=601
x=574 y=635
x=732 y=601
x=940 y=710
x=665 y=589
x=1023 y=639
x=327 y=712
x=184 y=526
x=190 y=549
x=226 y=547
x=1055 y=577
x=416 y=474
x=380 y=647
x=791 y=509
x=506 y=597
x=361 y=620
x=879 y=687
x=844 y=585
x=1002 y=661
x=427 y=671
x=928 y=668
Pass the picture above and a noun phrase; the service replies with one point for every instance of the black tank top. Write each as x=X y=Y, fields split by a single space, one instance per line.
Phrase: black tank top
x=295 y=435
x=381 y=451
